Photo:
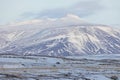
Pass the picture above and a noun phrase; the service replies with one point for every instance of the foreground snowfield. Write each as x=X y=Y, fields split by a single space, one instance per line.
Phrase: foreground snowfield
x=97 y=67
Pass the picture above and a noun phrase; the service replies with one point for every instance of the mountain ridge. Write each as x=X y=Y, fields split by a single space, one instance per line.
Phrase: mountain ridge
x=59 y=37
x=65 y=41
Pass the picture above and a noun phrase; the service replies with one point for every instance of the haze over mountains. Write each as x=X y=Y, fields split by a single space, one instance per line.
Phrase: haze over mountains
x=67 y=36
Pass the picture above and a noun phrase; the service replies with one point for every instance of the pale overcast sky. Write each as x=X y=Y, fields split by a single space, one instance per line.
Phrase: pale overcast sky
x=95 y=11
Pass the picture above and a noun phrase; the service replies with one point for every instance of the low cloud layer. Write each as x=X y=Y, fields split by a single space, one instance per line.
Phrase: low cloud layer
x=82 y=9
x=94 y=11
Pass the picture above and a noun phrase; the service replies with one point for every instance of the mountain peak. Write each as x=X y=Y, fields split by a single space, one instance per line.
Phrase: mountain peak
x=71 y=16
x=61 y=41
x=71 y=19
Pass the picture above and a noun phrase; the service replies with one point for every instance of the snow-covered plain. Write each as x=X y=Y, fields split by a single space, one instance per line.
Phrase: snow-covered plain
x=60 y=68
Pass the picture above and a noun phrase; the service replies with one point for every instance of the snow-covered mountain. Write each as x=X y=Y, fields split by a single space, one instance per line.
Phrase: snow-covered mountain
x=58 y=37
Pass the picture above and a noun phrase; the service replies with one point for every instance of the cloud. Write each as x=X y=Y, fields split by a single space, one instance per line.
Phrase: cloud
x=82 y=9
x=67 y=20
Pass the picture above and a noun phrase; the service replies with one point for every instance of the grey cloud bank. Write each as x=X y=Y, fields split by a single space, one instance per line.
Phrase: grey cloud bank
x=94 y=11
x=82 y=9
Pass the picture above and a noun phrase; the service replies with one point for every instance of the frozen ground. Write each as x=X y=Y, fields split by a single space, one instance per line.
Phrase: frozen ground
x=98 y=67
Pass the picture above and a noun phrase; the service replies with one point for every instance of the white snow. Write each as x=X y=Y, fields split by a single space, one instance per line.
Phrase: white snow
x=81 y=68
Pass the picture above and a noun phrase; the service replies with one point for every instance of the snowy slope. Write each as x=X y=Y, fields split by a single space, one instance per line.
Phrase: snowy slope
x=59 y=37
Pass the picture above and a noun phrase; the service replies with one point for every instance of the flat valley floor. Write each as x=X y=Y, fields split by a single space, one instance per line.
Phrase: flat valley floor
x=97 y=67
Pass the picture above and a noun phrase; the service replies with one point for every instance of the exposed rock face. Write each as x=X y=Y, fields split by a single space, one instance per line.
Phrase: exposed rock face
x=62 y=41
x=61 y=37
